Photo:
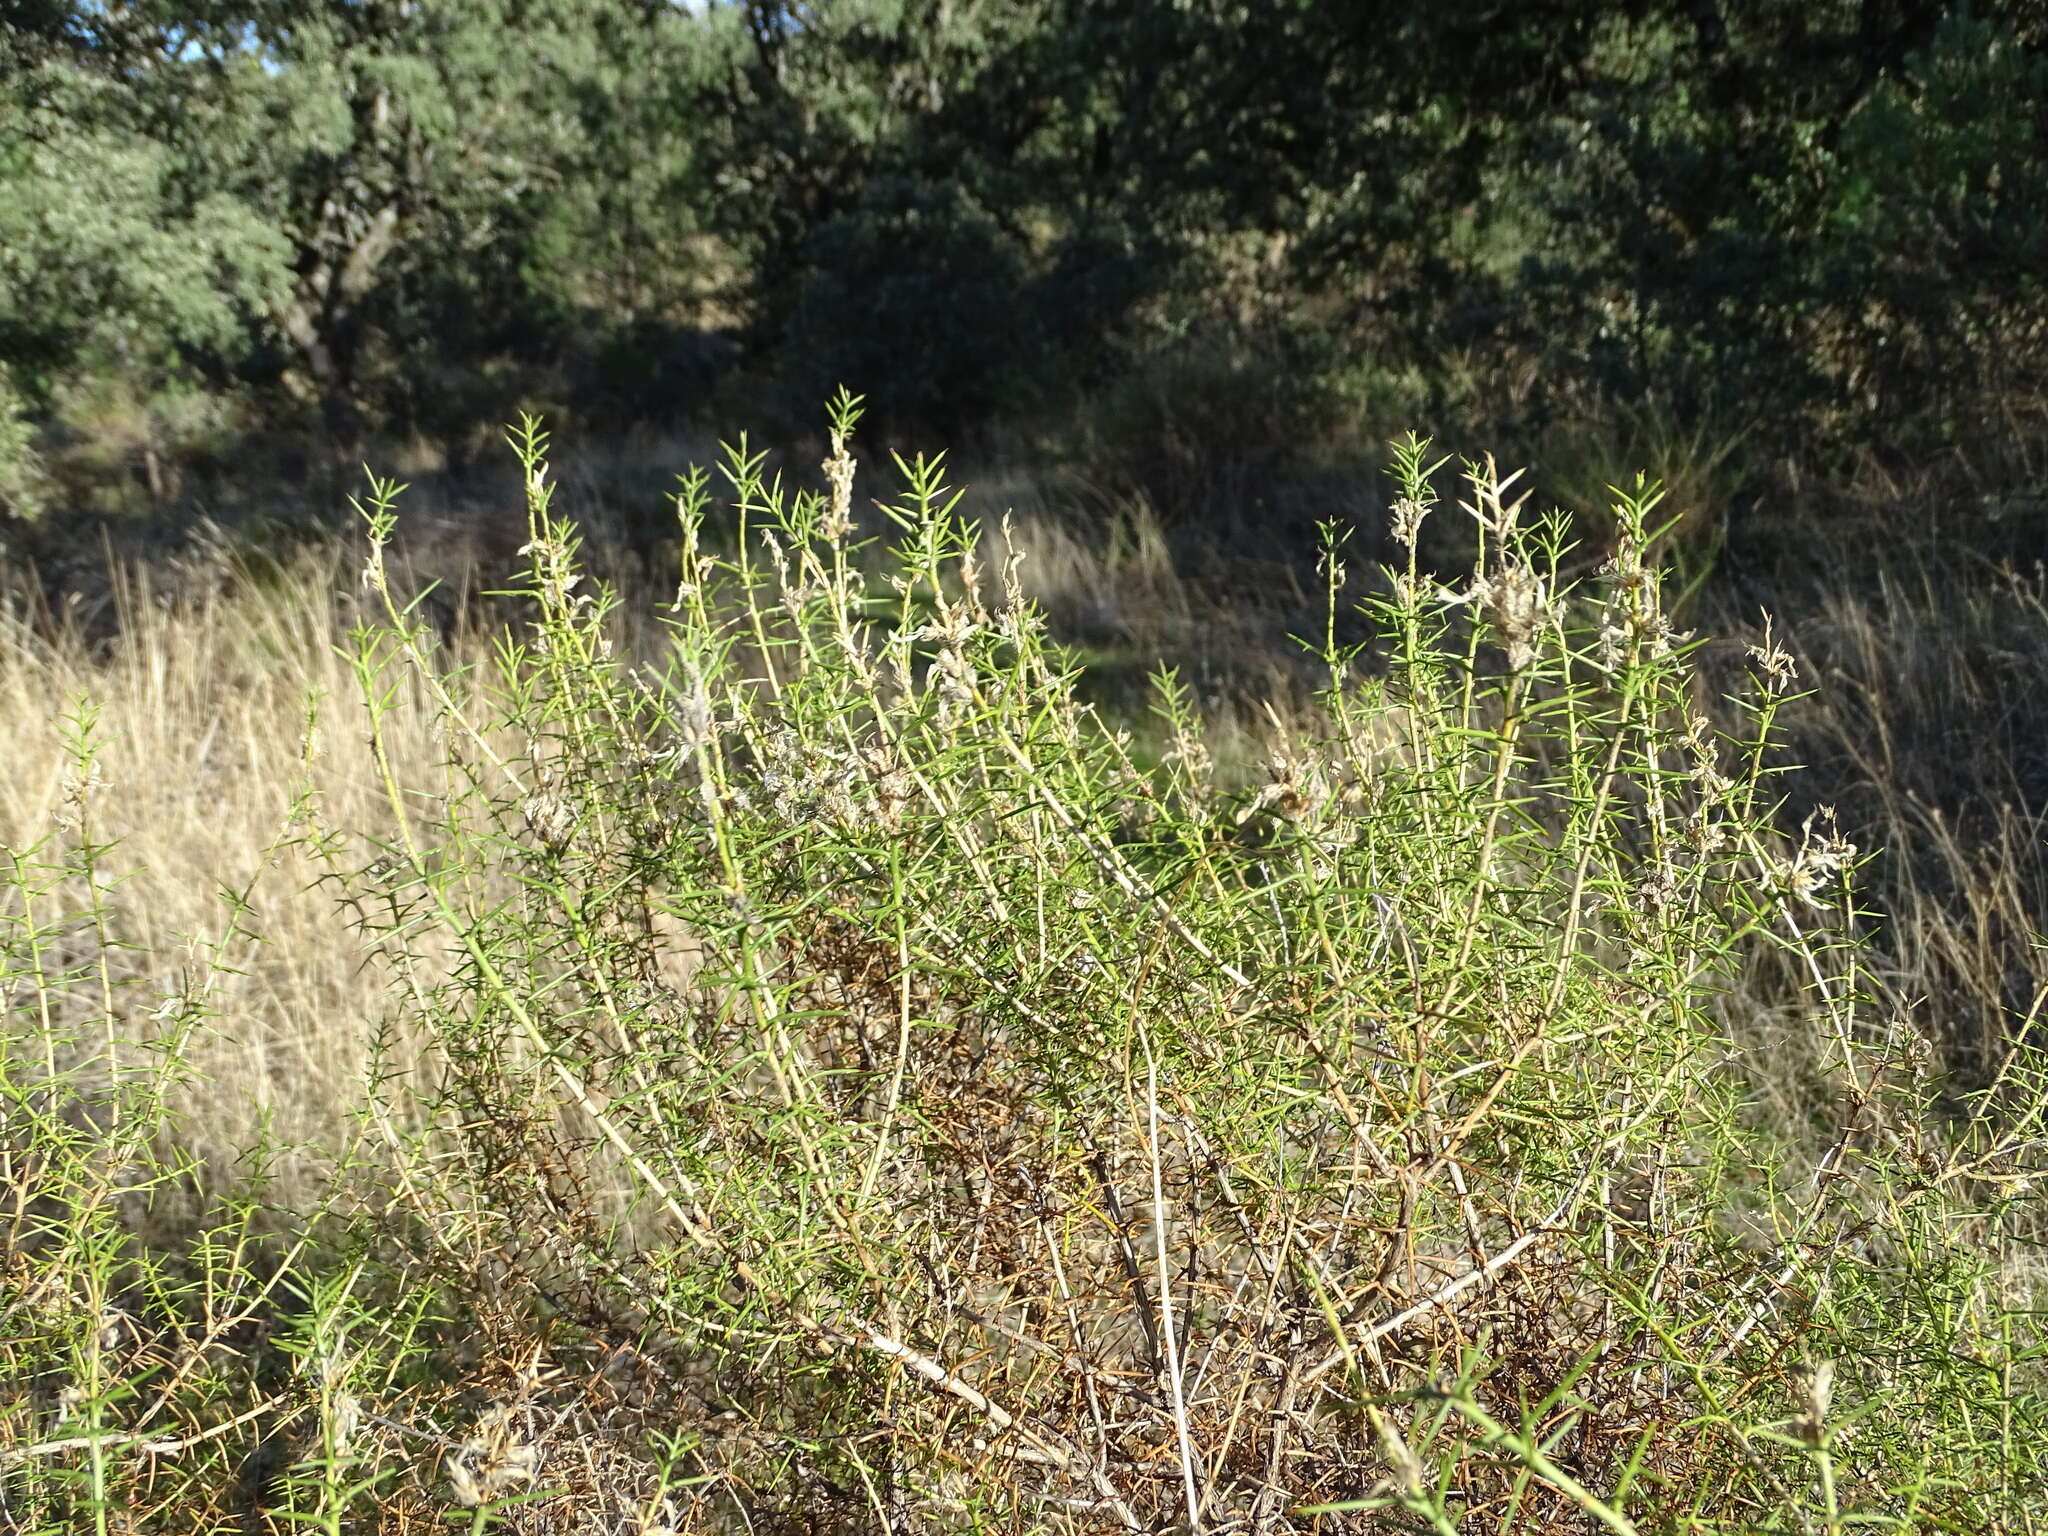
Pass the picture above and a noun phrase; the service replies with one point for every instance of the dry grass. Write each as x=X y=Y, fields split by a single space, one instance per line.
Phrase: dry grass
x=219 y=711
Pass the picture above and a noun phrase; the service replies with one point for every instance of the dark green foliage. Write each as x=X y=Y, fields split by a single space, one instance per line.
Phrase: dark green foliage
x=1831 y=205
x=1813 y=218
x=357 y=203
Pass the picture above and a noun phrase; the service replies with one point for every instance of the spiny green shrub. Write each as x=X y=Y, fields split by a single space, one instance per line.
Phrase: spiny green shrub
x=1034 y=1132
x=969 y=1118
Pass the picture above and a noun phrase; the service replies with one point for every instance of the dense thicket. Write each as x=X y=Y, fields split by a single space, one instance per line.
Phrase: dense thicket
x=1821 y=214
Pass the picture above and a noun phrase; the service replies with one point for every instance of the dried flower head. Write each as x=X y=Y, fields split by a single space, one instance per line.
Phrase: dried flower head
x=1517 y=603
x=79 y=790
x=1821 y=858
x=797 y=597
x=1406 y=515
x=837 y=523
x=345 y=1417
x=890 y=780
x=806 y=781
x=1779 y=670
x=555 y=577
x=1657 y=890
x=1702 y=742
x=952 y=673
x=1816 y=1396
x=1292 y=787
x=1633 y=623
x=494 y=1460
x=1402 y=1462
x=696 y=726
x=550 y=817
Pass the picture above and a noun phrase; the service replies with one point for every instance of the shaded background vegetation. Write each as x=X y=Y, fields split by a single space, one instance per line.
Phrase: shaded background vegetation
x=1240 y=230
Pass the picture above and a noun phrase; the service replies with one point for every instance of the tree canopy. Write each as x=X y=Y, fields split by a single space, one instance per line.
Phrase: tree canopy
x=1828 y=212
